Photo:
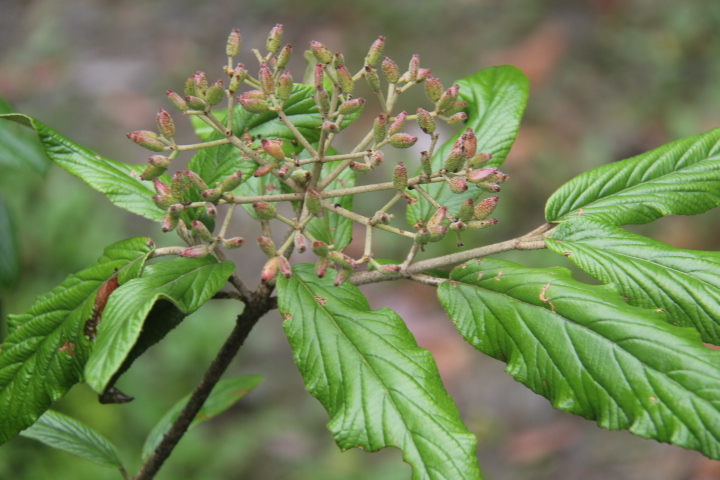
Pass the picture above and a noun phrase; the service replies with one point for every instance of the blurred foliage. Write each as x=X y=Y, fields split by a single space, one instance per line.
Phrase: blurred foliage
x=609 y=79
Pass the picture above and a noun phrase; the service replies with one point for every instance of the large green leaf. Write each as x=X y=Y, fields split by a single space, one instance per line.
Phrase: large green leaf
x=224 y=395
x=120 y=182
x=19 y=148
x=379 y=388
x=46 y=350
x=72 y=436
x=680 y=178
x=590 y=353
x=496 y=99
x=685 y=284
x=9 y=246
x=186 y=282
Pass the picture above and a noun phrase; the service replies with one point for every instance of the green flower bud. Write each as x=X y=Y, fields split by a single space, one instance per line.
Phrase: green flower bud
x=231 y=182
x=215 y=93
x=267 y=246
x=372 y=78
x=177 y=101
x=254 y=105
x=146 y=141
x=339 y=258
x=457 y=118
x=195 y=180
x=274 y=38
x=320 y=249
x=403 y=140
x=489 y=187
x=201 y=84
x=398 y=123
x=201 y=230
x=301 y=177
x=422 y=236
x=162 y=201
x=351 y=106
x=455 y=108
x=266 y=80
x=467 y=210
x=433 y=88
x=321 y=266
x=437 y=232
x=285 y=86
x=321 y=53
x=165 y=124
x=195 y=103
x=426 y=163
x=313 y=201
x=375 y=52
x=190 y=87
x=480 y=224
x=479 y=160
x=485 y=208
x=345 y=80
x=425 y=121
x=178 y=186
x=211 y=210
x=389 y=269
x=322 y=100
x=342 y=275
x=234 y=43
x=234 y=242
x=211 y=195
x=390 y=70
x=458 y=227
x=338 y=60
x=455 y=160
x=151 y=172
x=380 y=128
x=359 y=167
x=264 y=210
x=413 y=69
x=400 y=177
x=169 y=222
x=448 y=98
x=284 y=57
x=273 y=148
x=457 y=185
x=330 y=127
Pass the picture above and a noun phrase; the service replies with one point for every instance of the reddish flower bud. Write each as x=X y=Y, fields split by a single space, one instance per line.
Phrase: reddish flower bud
x=320 y=249
x=469 y=143
x=266 y=80
x=177 y=101
x=146 y=141
x=234 y=43
x=342 y=260
x=398 y=123
x=372 y=78
x=264 y=210
x=267 y=246
x=285 y=267
x=321 y=266
x=425 y=121
x=390 y=70
x=201 y=230
x=313 y=201
x=234 y=242
x=321 y=52
x=489 y=186
x=359 y=167
x=284 y=57
x=480 y=224
x=423 y=73
x=380 y=128
x=413 y=69
x=165 y=124
x=422 y=236
x=390 y=269
x=467 y=210
x=161 y=187
x=195 y=103
x=211 y=195
x=169 y=222
x=455 y=160
x=211 y=210
x=448 y=98
x=403 y=140
x=400 y=176
x=273 y=148
x=262 y=171
x=426 y=163
x=433 y=88
x=331 y=127
x=438 y=217
x=499 y=177
x=345 y=80
x=375 y=52
x=318 y=76
x=215 y=93
x=285 y=86
x=351 y=106
x=381 y=217
x=254 y=105
x=458 y=227
x=457 y=118
x=377 y=157
x=195 y=180
x=231 y=182
x=485 y=208
x=270 y=271
x=480 y=175
x=437 y=232
x=198 y=251
x=274 y=38
x=300 y=243
x=342 y=275
x=455 y=108
x=284 y=170
x=479 y=160
x=457 y=185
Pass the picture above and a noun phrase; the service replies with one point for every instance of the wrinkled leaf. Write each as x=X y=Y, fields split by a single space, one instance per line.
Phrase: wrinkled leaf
x=379 y=388
x=680 y=178
x=224 y=395
x=72 y=436
x=46 y=349
x=120 y=182
x=19 y=148
x=496 y=99
x=588 y=352
x=651 y=274
x=186 y=282
x=9 y=246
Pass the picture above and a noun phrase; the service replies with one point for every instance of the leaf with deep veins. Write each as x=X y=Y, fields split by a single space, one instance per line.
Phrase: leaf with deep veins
x=590 y=353
x=379 y=388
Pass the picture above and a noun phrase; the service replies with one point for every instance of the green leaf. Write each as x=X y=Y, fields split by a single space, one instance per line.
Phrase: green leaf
x=332 y=228
x=72 y=436
x=186 y=282
x=9 y=246
x=120 y=182
x=224 y=395
x=680 y=178
x=685 y=284
x=587 y=351
x=215 y=163
x=19 y=149
x=46 y=350
x=496 y=99
x=379 y=388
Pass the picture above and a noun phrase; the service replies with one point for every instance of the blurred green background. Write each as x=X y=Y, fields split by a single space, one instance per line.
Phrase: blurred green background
x=609 y=79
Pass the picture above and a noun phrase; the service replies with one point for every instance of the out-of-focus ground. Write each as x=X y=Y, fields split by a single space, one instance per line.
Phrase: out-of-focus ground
x=609 y=79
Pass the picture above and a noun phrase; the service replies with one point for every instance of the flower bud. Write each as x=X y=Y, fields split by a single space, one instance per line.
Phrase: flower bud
x=169 y=222
x=455 y=108
x=422 y=236
x=400 y=177
x=458 y=227
x=176 y=209
x=321 y=52
x=425 y=121
x=320 y=249
x=254 y=105
x=469 y=143
x=151 y=172
x=398 y=123
x=202 y=230
x=211 y=210
x=330 y=127
x=284 y=170
x=372 y=78
x=165 y=124
x=457 y=118
x=342 y=275
x=195 y=103
x=413 y=69
x=481 y=175
x=267 y=84
x=438 y=217
x=274 y=39
x=264 y=210
x=198 y=251
x=270 y=271
x=211 y=195
x=178 y=186
x=437 y=232
x=285 y=86
x=190 y=87
x=448 y=98
x=457 y=185
x=455 y=160
x=499 y=177
x=467 y=210
x=267 y=246
x=389 y=269
x=485 y=208
x=390 y=70
x=423 y=73
x=489 y=186
x=177 y=101
x=273 y=148
x=433 y=88
x=381 y=217
x=300 y=242
x=238 y=76
x=313 y=201
x=426 y=163
x=345 y=80
x=322 y=100
x=479 y=160
x=339 y=258
x=375 y=52
x=195 y=180
x=359 y=167
x=380 y=128
x=480 y=224
x=403 y=140
x=264 y=170
x=285 y=269
x=351 y=106
x=234 y=242
x=284 y=57
x=377 y=157
x=234 y=43
x=160 y=161
x=162 y=201
x=321 y=266
x=161 y=187
x=318 y=77
x=301 y=177
x=338 y=60
x=231 y=182
x=215 y=93
x=146 y=141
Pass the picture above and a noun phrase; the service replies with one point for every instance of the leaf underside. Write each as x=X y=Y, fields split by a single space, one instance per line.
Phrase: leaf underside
x=379 y=388
x=590 y=353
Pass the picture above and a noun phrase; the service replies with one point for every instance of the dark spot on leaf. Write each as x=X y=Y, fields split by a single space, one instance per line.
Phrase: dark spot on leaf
x=320 y=300
x=68 y=347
